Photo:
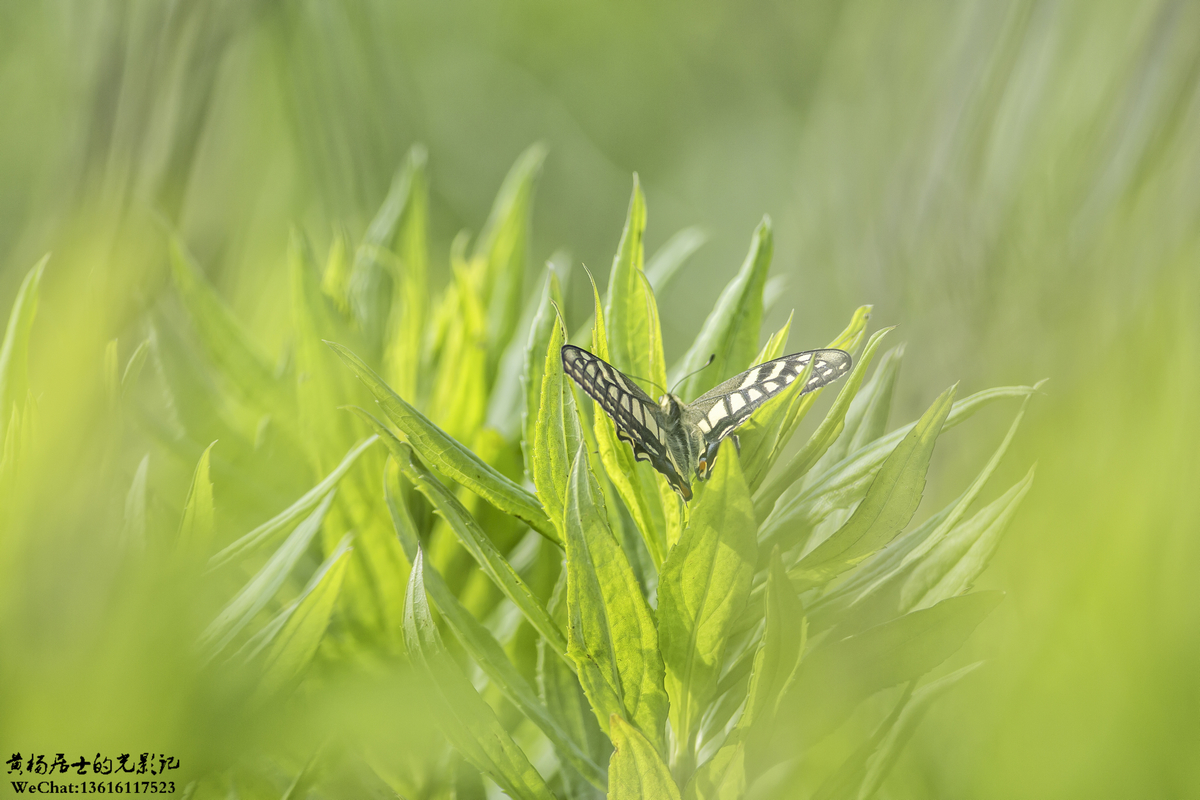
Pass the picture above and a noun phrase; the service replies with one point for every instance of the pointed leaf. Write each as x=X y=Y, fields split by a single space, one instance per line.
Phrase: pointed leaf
x=448 y=456
x=225 y=341
x=307 y=619
x=703 y=587
x=14 y=351
x=468 y=722
x=611 y=631
x=667 y=260
x=637 y=771
x=826 y=433
x=472 y=538
x=196 y=527
x=952 y=567
x=557 y=433
x=889 y=503
x=260 y=590
x=731 y=330
x=503 y=245
x=284 y=519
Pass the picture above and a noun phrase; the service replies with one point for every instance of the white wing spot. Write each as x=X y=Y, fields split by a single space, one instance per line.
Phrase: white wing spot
x=788 y=379
x=779 y=367
x=754 y=394
x=751 y=378
x=625 y=403
x=736 y=401
x=637 y=413
x=704 y=426
x=770 y=386
x=717 y=413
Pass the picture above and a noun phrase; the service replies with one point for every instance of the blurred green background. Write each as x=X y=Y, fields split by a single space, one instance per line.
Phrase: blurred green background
x=1016 y=184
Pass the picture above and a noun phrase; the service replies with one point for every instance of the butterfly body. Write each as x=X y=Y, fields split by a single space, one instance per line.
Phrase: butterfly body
x=681 y=439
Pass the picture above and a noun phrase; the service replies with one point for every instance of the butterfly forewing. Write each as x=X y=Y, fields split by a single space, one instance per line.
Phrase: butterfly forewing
x=685 y=441
x=637 y=417
x=731 y=403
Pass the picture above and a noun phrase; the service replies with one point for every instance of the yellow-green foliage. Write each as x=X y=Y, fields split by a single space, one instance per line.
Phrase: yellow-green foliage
x=545 y=613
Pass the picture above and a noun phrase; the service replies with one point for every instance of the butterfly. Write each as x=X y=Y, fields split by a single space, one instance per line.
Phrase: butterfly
x=681 y=439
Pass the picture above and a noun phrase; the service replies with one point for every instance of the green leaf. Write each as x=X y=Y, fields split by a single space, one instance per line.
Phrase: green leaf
x=637 y=771
x=731 y=331
x=776 y=345
x=826 y=433
x=769 y=431
x=374 y=280
x=458 y=397
x=885 y=586
x=867 y=419
x=625 y=309
x=567 y=702
x=667 y=260
x=479 y=643
x=471 y=536
x=468 y=722
x=284 y=519
x=952 y=566
x=722 y=777
x=557 y=434
x=889 y=503
x=503 y=245
x=703 y=587
x=307 y=619
x=833 y=679
x=133 y=367
x=196 y=527
x=513 y=405
x=410 y=290
x=611 y=632
x=14 y=351
x=448 y=456
x=783 y=641
x=861 y=776
x=322 y=384
x=259 y=591
x=227 y=344
x=637 y=490
x=133 y=532
x=482 y=646
x=846 y=482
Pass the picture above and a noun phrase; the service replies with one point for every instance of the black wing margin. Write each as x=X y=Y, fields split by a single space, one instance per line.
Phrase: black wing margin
x=731 y=403
x=635 y=414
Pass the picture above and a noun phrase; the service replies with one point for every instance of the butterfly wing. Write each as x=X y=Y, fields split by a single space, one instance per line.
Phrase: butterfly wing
x=638 y=418
x=726 y=406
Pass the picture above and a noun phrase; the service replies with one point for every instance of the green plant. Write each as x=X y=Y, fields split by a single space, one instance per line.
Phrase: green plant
x=555 y=601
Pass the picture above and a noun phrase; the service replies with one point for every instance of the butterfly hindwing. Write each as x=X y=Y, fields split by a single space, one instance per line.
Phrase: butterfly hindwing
x=718 y=411
x=636 y=416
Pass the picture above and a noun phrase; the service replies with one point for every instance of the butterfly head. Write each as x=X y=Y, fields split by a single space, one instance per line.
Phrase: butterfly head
x=672 y=406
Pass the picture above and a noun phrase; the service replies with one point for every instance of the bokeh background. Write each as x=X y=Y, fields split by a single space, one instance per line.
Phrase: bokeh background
x=1015 y=183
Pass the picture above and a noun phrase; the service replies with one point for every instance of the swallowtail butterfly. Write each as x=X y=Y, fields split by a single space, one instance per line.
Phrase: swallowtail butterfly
x=681 y=439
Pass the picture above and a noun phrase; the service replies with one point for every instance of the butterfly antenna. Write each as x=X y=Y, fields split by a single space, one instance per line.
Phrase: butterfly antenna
x=647 y=380
x=707 y=364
